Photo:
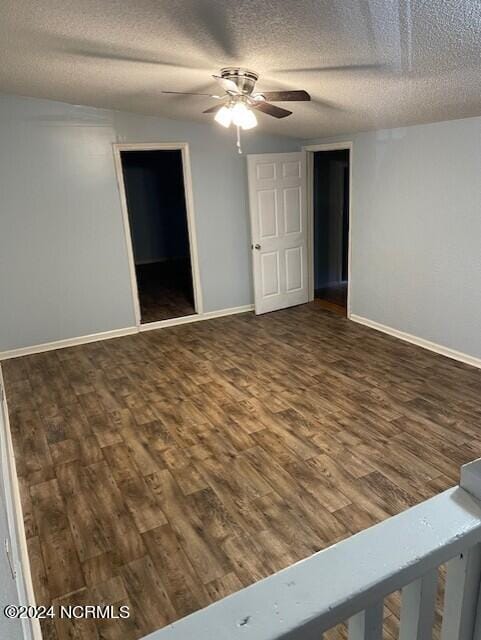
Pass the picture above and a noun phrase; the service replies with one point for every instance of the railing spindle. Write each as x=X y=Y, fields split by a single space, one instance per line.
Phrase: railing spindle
x=367 y=624
x=417 y=608
x=460 y=600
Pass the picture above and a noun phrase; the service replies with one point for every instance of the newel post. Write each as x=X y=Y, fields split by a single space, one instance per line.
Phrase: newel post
x=470 y=478
x=462 y=603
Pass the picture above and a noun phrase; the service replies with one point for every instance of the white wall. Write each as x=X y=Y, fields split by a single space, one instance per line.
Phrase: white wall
x=416 y=231
x=63 y=261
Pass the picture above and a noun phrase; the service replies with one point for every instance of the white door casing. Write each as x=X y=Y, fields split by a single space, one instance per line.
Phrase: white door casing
x=278 y=211
x=183 y=147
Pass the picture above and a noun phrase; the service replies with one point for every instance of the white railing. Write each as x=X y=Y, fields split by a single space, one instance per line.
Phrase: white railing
x=17 y=559
x=349 y=581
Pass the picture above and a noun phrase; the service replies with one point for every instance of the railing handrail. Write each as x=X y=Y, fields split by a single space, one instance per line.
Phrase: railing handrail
x=334 y=584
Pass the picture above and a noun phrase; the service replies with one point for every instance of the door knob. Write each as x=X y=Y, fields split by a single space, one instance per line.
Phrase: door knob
x=256 y=246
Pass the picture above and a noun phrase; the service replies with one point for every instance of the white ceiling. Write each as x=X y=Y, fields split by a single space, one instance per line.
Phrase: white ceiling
x=367 y=64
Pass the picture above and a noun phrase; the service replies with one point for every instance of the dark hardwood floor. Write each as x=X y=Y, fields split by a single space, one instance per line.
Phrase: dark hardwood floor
x=333 y=297
x=167 y=469
x=165 y=290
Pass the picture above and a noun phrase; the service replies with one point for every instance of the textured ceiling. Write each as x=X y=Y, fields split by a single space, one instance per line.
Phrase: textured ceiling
x=368 y=64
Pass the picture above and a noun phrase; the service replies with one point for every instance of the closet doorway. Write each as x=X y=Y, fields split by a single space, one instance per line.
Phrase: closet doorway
x=156 y=198
x=329 y=182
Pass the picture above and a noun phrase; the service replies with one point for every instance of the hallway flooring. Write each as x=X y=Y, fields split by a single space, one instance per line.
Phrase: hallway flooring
x=165 y=290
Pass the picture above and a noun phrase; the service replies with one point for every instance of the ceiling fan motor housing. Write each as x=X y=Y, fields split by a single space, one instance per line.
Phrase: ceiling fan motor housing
x=244 y=79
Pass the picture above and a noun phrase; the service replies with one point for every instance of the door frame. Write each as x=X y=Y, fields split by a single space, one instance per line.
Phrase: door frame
x=310 y=149
x=183 y=147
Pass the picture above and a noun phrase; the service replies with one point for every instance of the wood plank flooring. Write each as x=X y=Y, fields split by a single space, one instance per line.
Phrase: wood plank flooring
x=168 y=469
x=165 y=290
x=336 y=294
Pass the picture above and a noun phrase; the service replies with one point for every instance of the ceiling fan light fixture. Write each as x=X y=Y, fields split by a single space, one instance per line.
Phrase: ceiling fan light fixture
x=250 y=120
x=243 y=117
x=224 y=117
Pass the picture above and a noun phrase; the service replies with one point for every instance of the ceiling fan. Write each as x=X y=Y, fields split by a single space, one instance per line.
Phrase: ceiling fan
x=240 y=100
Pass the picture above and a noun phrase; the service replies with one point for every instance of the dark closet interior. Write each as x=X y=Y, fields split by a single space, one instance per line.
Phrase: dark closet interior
x=154 y=186
x=331 y=227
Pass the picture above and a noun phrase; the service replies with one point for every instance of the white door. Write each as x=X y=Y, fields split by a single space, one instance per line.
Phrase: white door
x=277 y=196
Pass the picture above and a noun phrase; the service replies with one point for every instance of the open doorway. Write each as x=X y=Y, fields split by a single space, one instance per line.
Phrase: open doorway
x=331 y=192
x=160 y=230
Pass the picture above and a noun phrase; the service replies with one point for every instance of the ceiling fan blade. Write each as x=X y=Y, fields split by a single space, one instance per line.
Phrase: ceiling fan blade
x=284 y=96
x=271 y=109
x=217 y=26
x=192 y=93
x=213 y=109
x=229 y=85
x=121 y=52
x=111 y=56
x=340 y=67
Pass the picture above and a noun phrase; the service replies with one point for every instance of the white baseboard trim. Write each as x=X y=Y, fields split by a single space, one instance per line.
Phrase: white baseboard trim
x=196 y=317
x=31 y=627
x=118 y=333
x=69 y=342
x=420 y=342
x=228 y=312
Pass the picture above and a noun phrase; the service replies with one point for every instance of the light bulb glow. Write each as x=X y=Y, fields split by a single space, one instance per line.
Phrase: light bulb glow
x=250 y=120
x=243 y=117
x=238 y=114
x=224 y=117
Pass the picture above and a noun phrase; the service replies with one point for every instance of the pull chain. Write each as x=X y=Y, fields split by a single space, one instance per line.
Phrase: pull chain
x=239 y=148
